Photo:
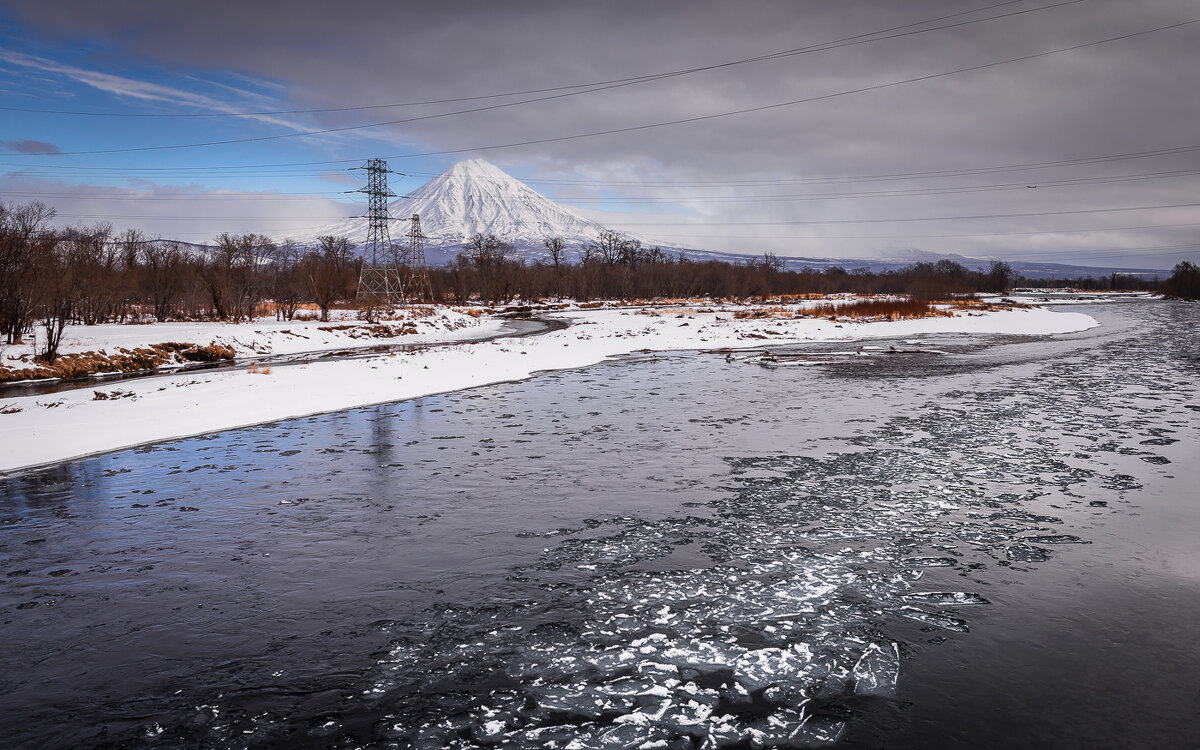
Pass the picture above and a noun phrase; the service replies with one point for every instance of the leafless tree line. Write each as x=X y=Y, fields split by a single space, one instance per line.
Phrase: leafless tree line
x=52 y=277
x=613 y=266
x=1184 y=282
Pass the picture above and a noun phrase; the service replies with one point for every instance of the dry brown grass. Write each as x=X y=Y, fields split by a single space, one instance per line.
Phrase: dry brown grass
x=978 y=305
x=79 y=364
x=257 y=369
x=375 y=331
x=861 y=309
x=881 y=309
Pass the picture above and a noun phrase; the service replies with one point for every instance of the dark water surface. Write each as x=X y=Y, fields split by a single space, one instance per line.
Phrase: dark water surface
x=986 y=543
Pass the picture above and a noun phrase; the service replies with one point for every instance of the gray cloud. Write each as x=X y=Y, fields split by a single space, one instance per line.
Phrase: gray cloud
x=341 y=178
x=31 y=147
x=180 y=212
x=1126 y=96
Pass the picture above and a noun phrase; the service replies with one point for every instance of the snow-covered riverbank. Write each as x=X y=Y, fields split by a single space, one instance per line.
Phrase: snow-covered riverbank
x=36 y=430
x=256 y=338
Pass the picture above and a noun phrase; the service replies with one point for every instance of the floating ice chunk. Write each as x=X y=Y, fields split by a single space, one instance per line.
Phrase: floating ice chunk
x=686 y=717
x=757 y=669
x=652 y=638
x=723 y=731
x=664 y=615
x=818 y=733
x=737 y=694
x=663 y=674
x=645 y=715
x=985 y=536
x=877 y=671
x=489 y=732
x=947 y=598
x=705 y=657
x=624 y=737
x=577 y=700
x=1027 y=553
x=552 y=736
x=930 y=562
x=612 y=659
x=791 y=728
x=1056 y=539
x=937 y=619
x=626 y=692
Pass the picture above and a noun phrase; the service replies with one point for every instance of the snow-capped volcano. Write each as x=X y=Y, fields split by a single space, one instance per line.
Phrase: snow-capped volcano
x=474 y=196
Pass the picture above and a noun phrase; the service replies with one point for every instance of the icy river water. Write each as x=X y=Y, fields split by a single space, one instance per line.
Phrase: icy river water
x=977 y=543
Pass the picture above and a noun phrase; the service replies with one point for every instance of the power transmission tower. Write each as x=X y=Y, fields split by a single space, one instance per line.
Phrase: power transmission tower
x=380 y=281
x=416 y=278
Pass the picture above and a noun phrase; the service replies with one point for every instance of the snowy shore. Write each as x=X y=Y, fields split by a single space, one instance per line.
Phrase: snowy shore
x=37 y=430
x=260 y=337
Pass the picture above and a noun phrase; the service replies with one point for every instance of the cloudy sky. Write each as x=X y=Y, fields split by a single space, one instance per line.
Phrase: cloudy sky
x=1052 y=130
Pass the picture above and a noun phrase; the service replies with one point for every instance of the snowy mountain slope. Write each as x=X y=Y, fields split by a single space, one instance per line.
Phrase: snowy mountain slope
x=473 y=196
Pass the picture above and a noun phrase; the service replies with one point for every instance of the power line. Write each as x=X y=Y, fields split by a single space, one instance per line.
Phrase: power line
x=326 y=131
x=1104 y=251
x=206 y=196
x=933 y=218
x=903 y=219
x=844 y=41
x=962 y=172
x=939 y=236
x=1059 y=255
x=910 y=192
x=235 y=170
x=778 y=105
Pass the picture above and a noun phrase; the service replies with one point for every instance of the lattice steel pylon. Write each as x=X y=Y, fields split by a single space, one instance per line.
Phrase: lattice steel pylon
x=415 y=277
x=381 y=280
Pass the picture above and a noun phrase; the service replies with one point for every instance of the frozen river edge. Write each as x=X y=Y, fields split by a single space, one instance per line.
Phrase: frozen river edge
x=41 y=430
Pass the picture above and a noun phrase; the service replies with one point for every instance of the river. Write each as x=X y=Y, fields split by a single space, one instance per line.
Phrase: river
x=977 y=542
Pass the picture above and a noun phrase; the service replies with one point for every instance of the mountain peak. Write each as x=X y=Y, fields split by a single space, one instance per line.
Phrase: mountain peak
x=476 y=168
x=475 y=196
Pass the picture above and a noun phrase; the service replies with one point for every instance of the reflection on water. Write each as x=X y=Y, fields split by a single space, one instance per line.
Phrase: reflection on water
x=669 y=551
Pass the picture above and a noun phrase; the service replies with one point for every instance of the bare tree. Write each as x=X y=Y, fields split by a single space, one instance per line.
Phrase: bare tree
x=999 y=278
x=163 y=274
x=1184 y=281
x=236 y=274
x=21 y=227
x=54 y=287
x=630 y=252
x=557 y=249
x=589 y=253
x=330 y=272
x=492 y=261
x=287 y=285
x=94 y=265
x=608 y=246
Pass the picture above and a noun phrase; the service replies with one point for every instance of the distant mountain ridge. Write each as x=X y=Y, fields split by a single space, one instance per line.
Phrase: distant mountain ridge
x=475 y=196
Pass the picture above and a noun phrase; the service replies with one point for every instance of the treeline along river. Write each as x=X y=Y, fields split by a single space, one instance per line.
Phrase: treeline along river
x=969 y=543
